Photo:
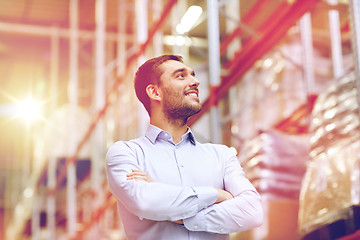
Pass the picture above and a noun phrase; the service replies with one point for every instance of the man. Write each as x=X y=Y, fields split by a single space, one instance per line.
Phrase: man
x=168 y=185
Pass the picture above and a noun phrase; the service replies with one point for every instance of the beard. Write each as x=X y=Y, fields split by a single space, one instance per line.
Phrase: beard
x=177 y=108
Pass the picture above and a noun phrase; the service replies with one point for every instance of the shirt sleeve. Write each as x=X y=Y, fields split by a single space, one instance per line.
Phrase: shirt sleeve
x=241 y=213
x=154 y=201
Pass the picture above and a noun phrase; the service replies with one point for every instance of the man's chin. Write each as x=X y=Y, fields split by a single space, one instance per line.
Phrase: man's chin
x=200 y=108
x=197 y=110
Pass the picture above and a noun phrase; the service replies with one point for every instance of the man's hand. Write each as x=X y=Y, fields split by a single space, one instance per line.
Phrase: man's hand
x=178 y=221
x=223 y=195
x=138 y=175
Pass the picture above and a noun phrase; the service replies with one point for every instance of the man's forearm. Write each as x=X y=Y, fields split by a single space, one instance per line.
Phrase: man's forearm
x=238 y=214
x=222 y=196
x=138 y=175
x=157 y=201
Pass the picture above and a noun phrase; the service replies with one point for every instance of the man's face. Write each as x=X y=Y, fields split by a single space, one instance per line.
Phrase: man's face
x=179 y=88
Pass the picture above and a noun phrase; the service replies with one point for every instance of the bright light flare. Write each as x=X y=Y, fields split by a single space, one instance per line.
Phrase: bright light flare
x=189 y=19
x=29 y=110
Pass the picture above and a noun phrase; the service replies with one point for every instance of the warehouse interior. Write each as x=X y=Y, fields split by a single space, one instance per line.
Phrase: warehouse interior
x=279 y=84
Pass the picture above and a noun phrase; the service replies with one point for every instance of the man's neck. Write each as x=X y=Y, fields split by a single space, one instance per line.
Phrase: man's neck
x=177 y=128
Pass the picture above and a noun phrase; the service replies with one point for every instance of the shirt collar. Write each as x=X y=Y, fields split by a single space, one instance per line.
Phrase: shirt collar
x=153 y=133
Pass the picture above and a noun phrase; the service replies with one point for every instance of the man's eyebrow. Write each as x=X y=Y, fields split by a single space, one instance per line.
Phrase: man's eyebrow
x=181 y=70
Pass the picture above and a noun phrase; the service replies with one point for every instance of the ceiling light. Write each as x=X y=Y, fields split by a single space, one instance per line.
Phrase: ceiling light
x=29 y=109
x=28 y=192
x=189 y=19
x=177 y=40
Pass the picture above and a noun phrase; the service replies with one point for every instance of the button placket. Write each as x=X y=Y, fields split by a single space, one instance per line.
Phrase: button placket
x=178 y=161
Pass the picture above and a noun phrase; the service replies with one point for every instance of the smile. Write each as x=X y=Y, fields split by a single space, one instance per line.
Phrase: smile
x=192 y=93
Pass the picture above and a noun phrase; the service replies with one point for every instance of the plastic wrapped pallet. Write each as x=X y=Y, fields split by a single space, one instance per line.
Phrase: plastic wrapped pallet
x=331 y=185
x=275 y=163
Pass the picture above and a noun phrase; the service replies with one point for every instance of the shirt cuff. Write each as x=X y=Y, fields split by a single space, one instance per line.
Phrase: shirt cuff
x=200 y=222
x=196 y=223
x=206 y=195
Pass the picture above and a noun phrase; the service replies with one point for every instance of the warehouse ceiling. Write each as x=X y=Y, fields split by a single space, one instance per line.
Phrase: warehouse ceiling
x=22 y=13
x=56 y=12
x=24 y=54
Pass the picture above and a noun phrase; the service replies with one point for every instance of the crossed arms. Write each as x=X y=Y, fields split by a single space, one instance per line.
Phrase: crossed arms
x=199 y=208
x=138 y=175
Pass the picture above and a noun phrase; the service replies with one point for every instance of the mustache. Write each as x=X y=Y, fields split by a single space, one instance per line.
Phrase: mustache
x=192 y=89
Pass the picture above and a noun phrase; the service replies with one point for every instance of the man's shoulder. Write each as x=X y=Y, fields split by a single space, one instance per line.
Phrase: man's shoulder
x=129 y=143
x=215 y=147
x=127 y=146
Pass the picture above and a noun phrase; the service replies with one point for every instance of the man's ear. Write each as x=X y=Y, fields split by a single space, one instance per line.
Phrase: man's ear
x=153 y=92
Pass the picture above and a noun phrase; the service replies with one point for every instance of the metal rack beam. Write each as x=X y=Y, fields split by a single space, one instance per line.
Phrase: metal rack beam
x=214 y=67
x=354 y=10
x=102 y=111
x=280 y=21
x=74 y=35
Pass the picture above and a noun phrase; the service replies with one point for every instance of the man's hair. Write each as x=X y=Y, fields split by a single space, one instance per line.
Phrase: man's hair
x=149 y=73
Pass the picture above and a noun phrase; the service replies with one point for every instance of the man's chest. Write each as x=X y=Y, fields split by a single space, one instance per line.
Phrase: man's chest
x=184 y=166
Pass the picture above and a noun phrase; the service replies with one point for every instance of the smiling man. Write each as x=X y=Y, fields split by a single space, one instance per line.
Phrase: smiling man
x=169 y=186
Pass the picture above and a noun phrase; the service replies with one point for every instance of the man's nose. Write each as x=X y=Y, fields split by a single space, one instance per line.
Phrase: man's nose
x=194 y=81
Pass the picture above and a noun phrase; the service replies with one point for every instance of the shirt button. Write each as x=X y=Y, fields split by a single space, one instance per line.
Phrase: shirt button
x=221 y=230
x=195 y=227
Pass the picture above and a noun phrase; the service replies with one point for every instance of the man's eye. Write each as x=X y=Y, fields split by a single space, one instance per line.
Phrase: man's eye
x=180 y=75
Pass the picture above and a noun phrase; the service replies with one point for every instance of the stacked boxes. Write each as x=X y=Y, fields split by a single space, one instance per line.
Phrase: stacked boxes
x=275 y=163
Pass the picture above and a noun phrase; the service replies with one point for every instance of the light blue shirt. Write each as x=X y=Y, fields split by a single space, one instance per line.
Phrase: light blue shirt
x=185 y=177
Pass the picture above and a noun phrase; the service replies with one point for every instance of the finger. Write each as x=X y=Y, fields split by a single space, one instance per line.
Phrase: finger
x=136 y=174
x=137 y=177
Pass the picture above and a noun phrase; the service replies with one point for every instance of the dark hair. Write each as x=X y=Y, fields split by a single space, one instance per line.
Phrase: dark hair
x=148 y=73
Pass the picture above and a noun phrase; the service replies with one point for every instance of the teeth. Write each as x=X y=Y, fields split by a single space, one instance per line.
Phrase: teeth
x=192 y=94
